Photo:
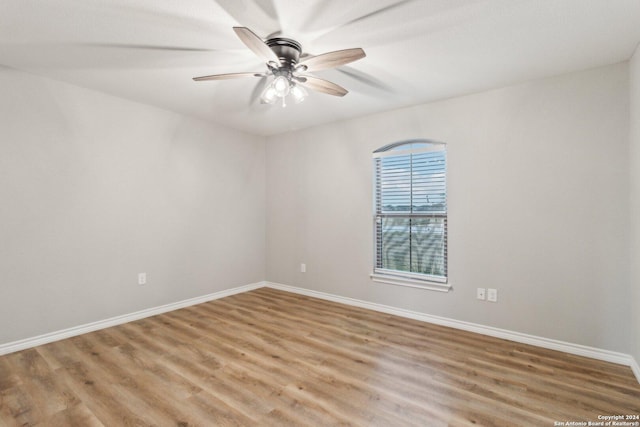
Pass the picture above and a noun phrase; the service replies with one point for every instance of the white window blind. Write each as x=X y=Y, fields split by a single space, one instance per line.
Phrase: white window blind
x=411 y=211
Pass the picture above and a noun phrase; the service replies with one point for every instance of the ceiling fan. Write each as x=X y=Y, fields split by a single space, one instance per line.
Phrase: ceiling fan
x=285 y=62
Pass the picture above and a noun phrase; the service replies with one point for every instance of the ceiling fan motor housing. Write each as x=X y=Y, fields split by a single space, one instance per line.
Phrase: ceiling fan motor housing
x=287 y=50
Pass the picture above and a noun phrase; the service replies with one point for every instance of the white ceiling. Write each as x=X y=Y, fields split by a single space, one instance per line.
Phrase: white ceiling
x=417 y=51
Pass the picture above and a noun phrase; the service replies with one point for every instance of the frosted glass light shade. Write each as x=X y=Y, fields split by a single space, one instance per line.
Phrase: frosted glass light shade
x=281 y=86
x=269 y=95
x=298 y=93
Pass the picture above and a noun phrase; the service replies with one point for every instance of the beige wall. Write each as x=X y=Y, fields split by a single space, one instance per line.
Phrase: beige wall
x=538 y=207
x=95 y=189
x=635 y=201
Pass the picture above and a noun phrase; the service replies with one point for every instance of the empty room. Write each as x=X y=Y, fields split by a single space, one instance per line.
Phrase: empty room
x=318 y=213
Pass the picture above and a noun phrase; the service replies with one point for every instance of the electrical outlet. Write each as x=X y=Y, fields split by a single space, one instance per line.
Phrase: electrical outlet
x=142 y=278
x=480 y=293
x=303 y=268
x=492 y=295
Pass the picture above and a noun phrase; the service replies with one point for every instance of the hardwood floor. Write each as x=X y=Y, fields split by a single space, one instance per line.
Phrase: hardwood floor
x=268 y=357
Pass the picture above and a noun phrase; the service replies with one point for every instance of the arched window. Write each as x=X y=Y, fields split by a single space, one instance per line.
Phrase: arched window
x=410 y=220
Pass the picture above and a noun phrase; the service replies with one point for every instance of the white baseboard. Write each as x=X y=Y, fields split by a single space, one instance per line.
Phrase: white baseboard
x=577 y=349
x=635 y=368
x=118 y=320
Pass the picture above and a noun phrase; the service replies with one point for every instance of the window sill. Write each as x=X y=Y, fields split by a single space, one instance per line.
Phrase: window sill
x=412 y=283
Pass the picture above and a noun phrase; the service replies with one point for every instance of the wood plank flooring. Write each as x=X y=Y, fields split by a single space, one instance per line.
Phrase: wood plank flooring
x=269 y=357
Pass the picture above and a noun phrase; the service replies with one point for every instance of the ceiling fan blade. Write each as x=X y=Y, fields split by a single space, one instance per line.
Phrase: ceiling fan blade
x=257 y=90
x=259 y=15
x=324 y=86
x=318 y=15
x=256 y=44
x=365 y=78
x=228 y=76
x=333 y=59
x=376 y=12
x=145 y=47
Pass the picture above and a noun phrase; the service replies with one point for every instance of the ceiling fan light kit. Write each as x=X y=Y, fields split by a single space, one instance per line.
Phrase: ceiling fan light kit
x=280 y=88
x=282 y=58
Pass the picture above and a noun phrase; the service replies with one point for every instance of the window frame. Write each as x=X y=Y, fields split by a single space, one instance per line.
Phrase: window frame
x=399 y=277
